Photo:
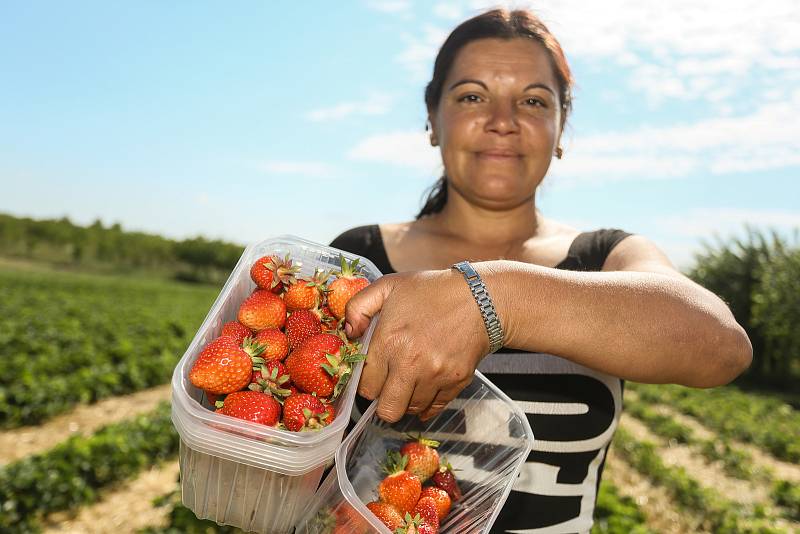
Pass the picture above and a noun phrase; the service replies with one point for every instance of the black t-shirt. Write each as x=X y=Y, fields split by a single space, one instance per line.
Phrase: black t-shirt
x=573 y=410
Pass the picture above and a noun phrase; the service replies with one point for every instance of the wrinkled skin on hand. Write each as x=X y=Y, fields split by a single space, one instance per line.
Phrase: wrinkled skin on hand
x=426 y=345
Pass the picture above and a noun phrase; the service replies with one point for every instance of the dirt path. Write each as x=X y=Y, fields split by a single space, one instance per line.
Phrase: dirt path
x=85 y=419
x=662 y=515
x=124 y=509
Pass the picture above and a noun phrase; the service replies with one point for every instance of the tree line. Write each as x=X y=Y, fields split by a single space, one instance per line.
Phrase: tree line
x=103 y=248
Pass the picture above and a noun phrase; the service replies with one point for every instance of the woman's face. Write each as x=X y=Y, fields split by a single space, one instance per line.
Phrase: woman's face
x=498 y=121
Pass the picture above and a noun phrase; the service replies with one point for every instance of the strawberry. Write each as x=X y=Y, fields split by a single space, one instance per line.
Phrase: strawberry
x=423 y=460
x=400 y=487
x=222 y=367
x=417 y=525
x=304 y=294
x=349 y=281
x=445 y=479
x=440 y=497
x=274 y=342
x=302 y=411
x=327 y=318
x=261 y=310
x=271 y=377
x=236 y=330
x=252 y=406
x=301 y=325
x=427 y=510
x=272 y=272
x=349 y=521
x=322 y=364
x=388 y=514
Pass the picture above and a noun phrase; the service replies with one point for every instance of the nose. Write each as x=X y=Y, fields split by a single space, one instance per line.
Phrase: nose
x=502 y=119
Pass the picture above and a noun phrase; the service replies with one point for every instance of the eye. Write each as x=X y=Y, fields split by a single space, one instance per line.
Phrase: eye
x=535 y=102
x=470 y=99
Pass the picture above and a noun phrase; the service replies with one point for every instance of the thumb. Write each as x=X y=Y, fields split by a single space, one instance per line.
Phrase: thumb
x=364 y=305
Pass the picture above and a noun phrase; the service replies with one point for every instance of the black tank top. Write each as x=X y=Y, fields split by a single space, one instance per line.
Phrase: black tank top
x=573 y=410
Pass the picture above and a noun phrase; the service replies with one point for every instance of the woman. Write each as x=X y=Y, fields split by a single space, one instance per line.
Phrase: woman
x=597 y=307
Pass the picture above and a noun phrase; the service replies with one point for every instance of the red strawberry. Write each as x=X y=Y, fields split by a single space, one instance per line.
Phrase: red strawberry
x=236 y=330
x=347 y=284
x=301 y=325
x=427 y=510
x=271 y=377
x=400 y=487
x=261 y=310
x=301 y=411
x=388 y=514
x=271 y=272
x=274 y=342
x=440 y=497
x=322 y=364
x=304 y=294
x=423 y=460
x=252 y=406
x=222 y=367
x=445 y=479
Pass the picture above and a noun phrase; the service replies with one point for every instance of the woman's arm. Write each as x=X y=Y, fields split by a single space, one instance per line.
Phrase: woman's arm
x=644 y=321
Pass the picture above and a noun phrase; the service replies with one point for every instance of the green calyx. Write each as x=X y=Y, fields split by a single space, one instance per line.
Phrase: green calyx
x=394 y=463
x=348 y=270
x=432 y=443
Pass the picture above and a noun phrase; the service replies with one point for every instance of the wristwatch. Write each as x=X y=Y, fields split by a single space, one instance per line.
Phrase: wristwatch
x=493 y=328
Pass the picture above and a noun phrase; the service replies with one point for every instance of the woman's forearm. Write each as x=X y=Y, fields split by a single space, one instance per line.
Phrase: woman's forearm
x=645 y=327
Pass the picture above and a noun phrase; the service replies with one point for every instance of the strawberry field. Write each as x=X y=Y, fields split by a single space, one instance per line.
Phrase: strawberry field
x=683 y=460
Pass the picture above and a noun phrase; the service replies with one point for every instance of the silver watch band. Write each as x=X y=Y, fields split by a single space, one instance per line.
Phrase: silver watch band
x=493 y=328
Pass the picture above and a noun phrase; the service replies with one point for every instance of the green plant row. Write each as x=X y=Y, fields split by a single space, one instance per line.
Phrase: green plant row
x=720 y=515
x=69 y=338
x=759 y=419
x=616 y=514
x=735 y=462
x=787 y=494
x=72 y=473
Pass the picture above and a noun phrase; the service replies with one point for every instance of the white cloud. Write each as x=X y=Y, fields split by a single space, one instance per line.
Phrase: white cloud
x=404 y=149
x=305 y=168
x=375 y=104
x=766 y=139
x=702 y=223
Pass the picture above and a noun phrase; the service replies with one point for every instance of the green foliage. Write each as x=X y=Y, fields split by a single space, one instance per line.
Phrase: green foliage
x=68 y=338
x=776 y=311
x=614 y=514
x=787 y=494
x=71 y=473
x=95 y=246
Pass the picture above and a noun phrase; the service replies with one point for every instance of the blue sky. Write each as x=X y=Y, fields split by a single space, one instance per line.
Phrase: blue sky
x=248 y=121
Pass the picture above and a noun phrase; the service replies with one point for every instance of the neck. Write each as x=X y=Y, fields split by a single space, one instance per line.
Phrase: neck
x=484 y=227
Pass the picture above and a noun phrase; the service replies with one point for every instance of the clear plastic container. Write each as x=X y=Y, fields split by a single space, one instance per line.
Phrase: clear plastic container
x=483 y=434
x=240 y=473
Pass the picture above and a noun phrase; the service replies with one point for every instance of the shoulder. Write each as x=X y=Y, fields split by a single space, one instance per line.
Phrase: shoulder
x=637 y=253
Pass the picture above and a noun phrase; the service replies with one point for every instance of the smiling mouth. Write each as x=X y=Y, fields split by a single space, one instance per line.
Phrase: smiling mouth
x=498 y=155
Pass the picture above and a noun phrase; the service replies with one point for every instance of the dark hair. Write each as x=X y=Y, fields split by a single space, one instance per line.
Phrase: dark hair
x=498 y=24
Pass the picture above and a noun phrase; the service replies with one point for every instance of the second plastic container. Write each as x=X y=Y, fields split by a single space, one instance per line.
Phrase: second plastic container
x=483 y=434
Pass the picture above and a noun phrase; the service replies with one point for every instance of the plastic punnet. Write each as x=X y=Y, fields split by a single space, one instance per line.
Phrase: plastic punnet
x=483 y=434
x=240 y=473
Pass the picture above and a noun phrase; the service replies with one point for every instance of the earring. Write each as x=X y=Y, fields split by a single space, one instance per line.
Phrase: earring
x=559 y=152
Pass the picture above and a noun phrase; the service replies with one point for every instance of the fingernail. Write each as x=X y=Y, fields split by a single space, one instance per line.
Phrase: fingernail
x=348 y=329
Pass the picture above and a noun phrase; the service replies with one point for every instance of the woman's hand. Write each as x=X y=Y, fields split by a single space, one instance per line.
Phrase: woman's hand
x=428 y=341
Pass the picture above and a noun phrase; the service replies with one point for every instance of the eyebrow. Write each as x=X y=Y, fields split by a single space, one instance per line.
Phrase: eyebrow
x=478 y=82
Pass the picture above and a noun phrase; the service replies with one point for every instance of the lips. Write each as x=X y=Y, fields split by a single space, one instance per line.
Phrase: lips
x=498 y=153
